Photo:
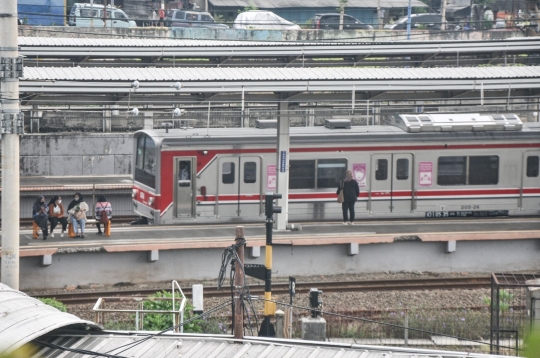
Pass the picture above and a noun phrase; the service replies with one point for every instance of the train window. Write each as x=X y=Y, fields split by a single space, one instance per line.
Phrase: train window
x=532 y=166
x=382 y=169
x=250 y=172
x=227 y=173
x=140 y=153
x=484 y=170
x=330 y=172
x=301 y=174
x=402 y=169
x=452 y=171
x=145 y=161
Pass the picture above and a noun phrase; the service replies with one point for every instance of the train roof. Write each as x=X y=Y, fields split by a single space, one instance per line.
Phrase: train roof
x=323 y=135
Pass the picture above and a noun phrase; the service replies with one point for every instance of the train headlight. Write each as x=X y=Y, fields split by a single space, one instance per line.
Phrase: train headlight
x=151 y=201
x=134 y=193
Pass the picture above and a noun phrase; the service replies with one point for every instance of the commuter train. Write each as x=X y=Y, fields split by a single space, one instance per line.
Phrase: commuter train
x=426 y=165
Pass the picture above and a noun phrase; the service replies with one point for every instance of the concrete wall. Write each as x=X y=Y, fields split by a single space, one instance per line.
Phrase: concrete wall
x=110 y=268
x=76 y=154
x=263 y=35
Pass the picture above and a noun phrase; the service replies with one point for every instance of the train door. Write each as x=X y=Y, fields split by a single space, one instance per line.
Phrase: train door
x=391 y=183
x=184 y=185
x=529 y=195
x=239 y=188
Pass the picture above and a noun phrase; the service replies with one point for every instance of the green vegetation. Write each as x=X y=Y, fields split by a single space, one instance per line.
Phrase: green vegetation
x=54 y=303
x=160 y=322
x=505 y=300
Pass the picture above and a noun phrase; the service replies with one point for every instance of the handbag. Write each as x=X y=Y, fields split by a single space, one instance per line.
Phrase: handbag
x=340 y=198
x=79 y=215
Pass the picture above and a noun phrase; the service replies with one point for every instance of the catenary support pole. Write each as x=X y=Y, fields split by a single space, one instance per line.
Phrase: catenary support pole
x=11 y=127
x=239 y=285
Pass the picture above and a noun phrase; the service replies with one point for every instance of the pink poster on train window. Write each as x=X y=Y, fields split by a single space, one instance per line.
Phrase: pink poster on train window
x=271 y=177
x=425 y=174
x=360 y=173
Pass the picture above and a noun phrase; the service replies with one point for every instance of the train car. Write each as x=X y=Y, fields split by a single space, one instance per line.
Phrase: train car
x=428 y=165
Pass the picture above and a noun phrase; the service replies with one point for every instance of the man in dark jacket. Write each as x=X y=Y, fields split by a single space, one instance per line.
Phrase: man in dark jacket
x=39 y=214
x=350 y=194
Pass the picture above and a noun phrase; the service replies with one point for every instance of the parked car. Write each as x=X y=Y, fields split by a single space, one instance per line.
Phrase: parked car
x=87 y=15
x=331 y=21
x=184 y=18
x=261 y=19
x=429 y=21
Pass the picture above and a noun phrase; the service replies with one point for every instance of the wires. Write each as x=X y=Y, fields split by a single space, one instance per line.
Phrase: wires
x=79 y=351
x=230 y=256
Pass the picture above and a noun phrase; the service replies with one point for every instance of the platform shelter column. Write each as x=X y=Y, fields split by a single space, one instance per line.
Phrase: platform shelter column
x=283 y=143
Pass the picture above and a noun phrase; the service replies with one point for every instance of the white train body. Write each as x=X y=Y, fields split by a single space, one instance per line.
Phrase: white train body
x=420 y=166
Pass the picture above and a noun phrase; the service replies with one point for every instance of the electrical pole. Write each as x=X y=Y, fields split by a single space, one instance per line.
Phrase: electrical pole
x=443 y=15
x=11 y=127
x=409 y=21
x=239 y=278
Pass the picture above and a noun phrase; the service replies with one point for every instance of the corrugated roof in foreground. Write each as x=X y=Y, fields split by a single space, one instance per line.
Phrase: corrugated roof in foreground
x=186 y=346
x=274 y=74
x=23 y=318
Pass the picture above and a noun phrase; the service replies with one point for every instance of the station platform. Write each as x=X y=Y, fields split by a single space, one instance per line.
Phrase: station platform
x=147 y=237
x=139 y=254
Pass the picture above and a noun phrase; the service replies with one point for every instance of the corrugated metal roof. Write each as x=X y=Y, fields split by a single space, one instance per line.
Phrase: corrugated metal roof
x=23 y=318
x=283 y=4
x=224 y=347
x=138 y=43
x=274 y=74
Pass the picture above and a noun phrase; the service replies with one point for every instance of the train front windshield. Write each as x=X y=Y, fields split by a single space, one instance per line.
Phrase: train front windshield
x=145 y=164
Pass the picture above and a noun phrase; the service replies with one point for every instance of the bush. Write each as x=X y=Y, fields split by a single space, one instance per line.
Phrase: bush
x=160 y=322
x=54 y=303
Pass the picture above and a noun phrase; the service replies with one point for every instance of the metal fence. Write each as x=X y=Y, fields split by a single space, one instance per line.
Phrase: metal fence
x=510 y=311
x=232 y=115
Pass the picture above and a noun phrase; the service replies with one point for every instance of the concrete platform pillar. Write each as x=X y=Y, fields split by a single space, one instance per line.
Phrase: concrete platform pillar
x=255 y=252
x=282 y=161
x=153 y=255
x=450 y=246
x=314 y=329
x=46 y=260
x=353 y=249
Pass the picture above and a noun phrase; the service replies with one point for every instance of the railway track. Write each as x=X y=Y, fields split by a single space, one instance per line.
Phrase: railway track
x=301 y=288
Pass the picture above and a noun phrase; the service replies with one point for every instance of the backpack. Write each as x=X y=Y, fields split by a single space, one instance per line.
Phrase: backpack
x=103 y=217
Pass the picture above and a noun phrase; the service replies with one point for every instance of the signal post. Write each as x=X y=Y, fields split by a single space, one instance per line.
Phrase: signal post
x=267 y=329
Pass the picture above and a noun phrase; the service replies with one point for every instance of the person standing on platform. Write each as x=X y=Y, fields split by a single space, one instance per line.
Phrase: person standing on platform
x=39 y=214
x=161 y=17
x=77 y=210
x=103 y=211
x=351 y=190
x=56 y=215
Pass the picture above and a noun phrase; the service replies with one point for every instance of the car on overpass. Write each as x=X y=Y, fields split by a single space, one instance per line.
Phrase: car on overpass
x=91 y=15
x=183 y=18
x=331 y=21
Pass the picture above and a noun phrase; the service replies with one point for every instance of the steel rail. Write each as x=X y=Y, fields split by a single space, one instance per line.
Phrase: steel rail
x=301 y=288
